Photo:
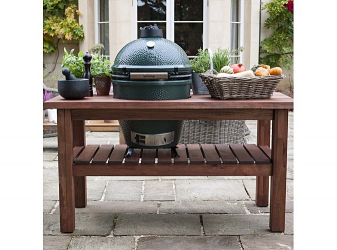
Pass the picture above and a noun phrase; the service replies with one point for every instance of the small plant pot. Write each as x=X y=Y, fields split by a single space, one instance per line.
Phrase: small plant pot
x=73 y=89
x=103 y=85
x=198 y=86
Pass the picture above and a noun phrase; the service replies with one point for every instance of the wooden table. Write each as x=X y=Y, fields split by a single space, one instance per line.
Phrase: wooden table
x=76 y=160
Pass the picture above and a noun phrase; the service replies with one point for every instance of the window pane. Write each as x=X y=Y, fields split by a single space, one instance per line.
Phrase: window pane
x=149 y=10
x=160 y=26
x=104 y=11
x=104 y=37
x=189 y=37
x=188 y=10
x=235 y=11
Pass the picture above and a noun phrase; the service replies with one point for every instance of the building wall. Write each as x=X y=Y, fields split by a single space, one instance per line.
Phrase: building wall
x=53 y=61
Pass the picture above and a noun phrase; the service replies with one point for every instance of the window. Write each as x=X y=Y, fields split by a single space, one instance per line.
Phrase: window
x=102 y=25
x=182 y=21
x=236 y=30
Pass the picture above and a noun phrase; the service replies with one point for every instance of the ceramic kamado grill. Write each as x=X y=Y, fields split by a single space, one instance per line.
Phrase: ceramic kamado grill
x=151 y=68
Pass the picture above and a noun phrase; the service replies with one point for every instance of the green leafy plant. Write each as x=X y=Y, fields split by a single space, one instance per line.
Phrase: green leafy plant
x=100 y=66
x=60 y=20
x=277 y=49
x=74 y=63
x=200 y=64
x=221 y=58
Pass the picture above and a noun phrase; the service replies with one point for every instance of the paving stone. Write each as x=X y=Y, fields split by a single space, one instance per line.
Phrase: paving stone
x=159 y=191
x=56 y=242
x=267 y=242
x=50 y=174
x=49 y=155
x=115 y=243
x=50 y=164
x=252 y=208
x=193 y=190
x=251 y=188
x=124 y=191
x=85 y=224
x=158 y=224
x=48 y=206
x=218 y=224
x=218 y=207
x=189 y=243
x=289 y=229
x=95 y=189
x=50 y=190
x=101 y=207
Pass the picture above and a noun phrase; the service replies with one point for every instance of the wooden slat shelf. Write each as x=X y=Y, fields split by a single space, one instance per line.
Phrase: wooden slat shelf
x=92 y=125
x=194 y=160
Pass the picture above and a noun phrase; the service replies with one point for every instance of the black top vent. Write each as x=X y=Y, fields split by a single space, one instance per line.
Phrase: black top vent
x=151 y=31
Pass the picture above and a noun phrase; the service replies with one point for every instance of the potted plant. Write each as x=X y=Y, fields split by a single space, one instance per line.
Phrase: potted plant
x=200 y=64
x=203 y=62
x=100 y=71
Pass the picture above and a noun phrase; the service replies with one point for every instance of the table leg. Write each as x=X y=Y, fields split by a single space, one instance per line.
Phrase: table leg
x=66 y=185
x=278 y=179
x=262 y=182
x=80 y=182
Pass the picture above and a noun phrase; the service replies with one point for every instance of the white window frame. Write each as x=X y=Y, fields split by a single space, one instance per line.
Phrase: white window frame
x=241 y=29
x=170 y=23
x=97 y=23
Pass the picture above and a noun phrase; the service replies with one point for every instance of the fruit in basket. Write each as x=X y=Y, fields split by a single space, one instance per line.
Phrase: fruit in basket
x=275 y=71
x=260 y=71
x=237 y=68
x=247 y=73
x=267 y=67
x=227 y=69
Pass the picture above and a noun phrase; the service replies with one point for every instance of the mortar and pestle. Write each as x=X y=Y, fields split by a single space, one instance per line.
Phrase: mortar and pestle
x=72 y=87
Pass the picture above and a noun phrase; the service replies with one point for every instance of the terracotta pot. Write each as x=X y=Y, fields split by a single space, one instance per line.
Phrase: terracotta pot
x=103 y=84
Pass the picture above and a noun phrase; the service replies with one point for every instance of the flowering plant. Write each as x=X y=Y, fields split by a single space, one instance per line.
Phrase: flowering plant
x=47 y=95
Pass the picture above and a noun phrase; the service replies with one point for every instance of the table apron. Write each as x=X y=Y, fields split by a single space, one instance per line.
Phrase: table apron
x=167 y=114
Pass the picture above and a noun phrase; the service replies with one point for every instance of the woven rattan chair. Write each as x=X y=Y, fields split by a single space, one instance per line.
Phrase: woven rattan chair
x=214 y=132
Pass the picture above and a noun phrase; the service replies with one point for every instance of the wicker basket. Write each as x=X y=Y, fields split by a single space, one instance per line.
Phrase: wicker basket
x=231 y=87
x=214 y=132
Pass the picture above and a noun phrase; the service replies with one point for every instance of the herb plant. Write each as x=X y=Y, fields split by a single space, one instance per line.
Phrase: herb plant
x=74 y=63
x=221 y=58
x=100 y=66
x=201 y=63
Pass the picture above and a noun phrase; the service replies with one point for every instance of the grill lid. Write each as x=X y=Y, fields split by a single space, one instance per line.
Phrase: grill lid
x=151 y=53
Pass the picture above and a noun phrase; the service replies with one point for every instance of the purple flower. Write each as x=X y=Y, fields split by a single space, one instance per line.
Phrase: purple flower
x=290 y=6
x=47 y=95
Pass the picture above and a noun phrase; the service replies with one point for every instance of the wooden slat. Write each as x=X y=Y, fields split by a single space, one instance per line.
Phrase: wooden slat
x=226 y=154
x=211 y=155
x=173 y=170
x=164 y=156
x=181 y=150
x=77 y=150
x=117 y=154
x=86 y=155
x=102 y=154
x=195 y=154
x=257 y=154
x=149 y=156
x=241 y=153
x=134 y=158
x=266 y=150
